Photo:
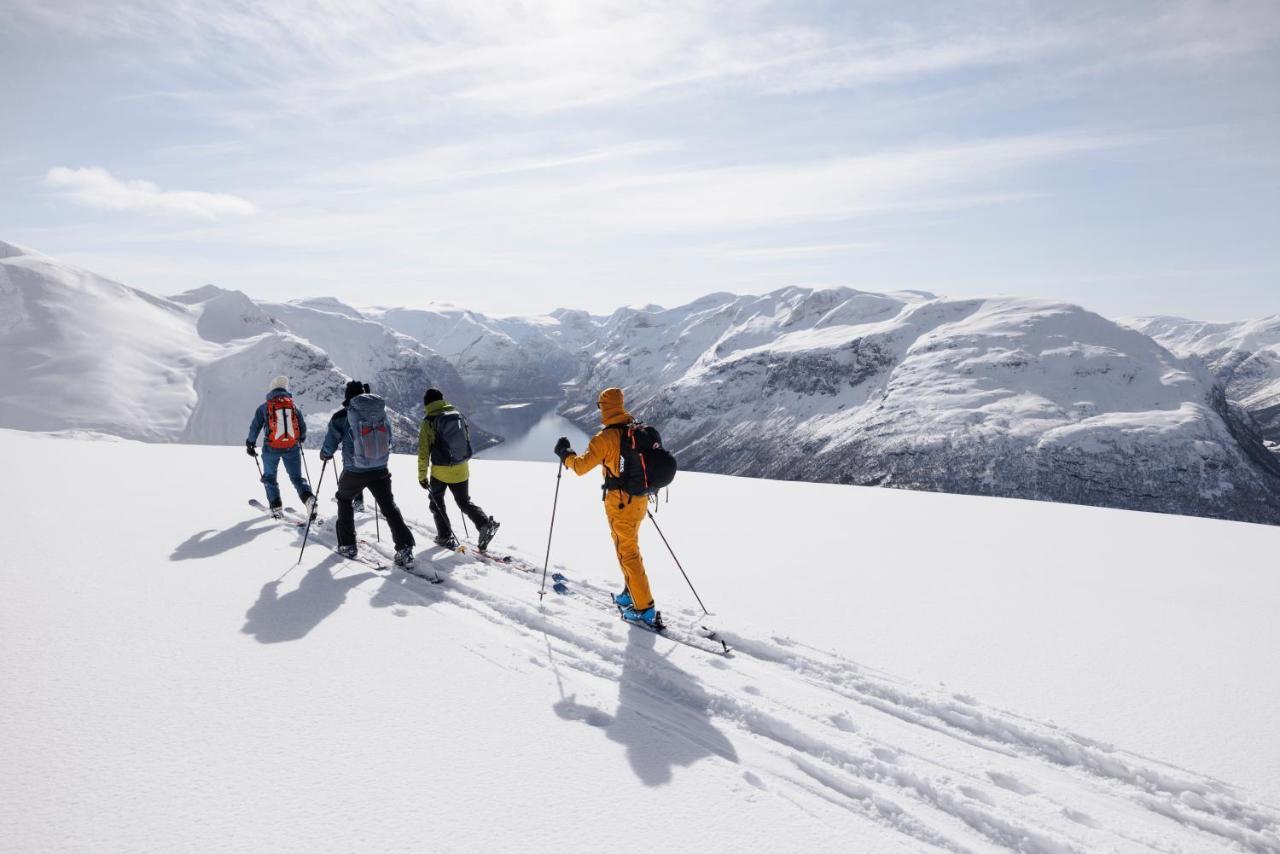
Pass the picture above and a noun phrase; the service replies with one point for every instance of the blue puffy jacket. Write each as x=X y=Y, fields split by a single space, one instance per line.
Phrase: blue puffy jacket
x=260 y=419
x=339 y=433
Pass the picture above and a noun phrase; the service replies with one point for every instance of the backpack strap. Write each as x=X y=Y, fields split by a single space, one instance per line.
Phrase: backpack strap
x=615 y=481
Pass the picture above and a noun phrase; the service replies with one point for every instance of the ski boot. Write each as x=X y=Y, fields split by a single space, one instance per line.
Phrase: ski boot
x=349 y=552
x=277 y=511
x=623 y=599
x=404 y=558
x=447 y=542
x=486 y=532
x=309 y=507
x=649 y=617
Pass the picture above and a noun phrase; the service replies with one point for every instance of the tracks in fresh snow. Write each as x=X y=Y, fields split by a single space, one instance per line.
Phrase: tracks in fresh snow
x=835 y=738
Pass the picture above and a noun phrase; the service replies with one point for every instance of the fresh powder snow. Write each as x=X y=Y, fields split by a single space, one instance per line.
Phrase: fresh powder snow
x=910 y=671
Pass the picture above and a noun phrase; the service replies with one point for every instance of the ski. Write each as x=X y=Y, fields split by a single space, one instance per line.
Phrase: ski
x=434 y=577
x=365 y=560
x=701 y=638
x=258 y=505
x=510 y=562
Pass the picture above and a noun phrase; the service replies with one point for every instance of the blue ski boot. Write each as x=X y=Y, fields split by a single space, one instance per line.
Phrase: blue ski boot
x=649 y=617
x=623 y=599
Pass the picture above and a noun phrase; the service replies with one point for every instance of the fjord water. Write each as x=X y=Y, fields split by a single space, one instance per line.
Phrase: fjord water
x=530 y=431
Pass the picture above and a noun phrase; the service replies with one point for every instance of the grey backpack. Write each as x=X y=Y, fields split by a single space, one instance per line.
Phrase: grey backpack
x=453 y=439
x=370 y=431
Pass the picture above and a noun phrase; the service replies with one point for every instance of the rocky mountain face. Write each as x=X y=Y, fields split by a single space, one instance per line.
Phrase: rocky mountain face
x=397 y=367
x=500 y=359
x=1003 y=397
x=1244 y=357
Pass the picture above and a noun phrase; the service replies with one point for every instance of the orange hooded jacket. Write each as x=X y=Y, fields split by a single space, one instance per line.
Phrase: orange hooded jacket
x=624 y=513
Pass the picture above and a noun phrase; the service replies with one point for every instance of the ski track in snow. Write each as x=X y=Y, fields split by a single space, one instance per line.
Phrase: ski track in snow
x=939 y=770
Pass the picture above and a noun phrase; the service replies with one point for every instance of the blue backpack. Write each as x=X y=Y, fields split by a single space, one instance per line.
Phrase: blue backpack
x=370 y=431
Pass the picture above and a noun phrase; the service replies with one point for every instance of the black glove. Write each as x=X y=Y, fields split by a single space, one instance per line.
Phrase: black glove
x=424 y=483
x=563 y=449
x=250 y=449
x=324 y=458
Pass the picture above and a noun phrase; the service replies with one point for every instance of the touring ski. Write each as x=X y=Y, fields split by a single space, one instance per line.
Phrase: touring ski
x=258 y=505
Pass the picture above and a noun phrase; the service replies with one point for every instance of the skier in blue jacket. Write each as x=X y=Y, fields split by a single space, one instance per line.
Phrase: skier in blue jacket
x=286 y=430
x=363 y=432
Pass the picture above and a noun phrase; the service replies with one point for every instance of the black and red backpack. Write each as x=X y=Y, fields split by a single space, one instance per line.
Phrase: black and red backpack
x=282 y=423
x=646 y=465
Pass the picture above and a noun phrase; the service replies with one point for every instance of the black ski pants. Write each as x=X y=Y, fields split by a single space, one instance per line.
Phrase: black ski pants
x=462 y=495
x=378 y=482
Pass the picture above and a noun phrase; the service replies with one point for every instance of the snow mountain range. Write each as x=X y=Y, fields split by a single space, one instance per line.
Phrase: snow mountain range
x=1001 y=397
x=1244 y=357
x=93 y=354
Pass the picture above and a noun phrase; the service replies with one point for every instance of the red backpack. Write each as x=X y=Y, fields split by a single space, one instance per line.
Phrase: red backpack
x=282 y=424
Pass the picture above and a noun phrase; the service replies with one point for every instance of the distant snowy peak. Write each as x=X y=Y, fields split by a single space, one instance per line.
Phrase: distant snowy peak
x=225 y=315
x=1244 y=357
x=1202 y=338
x=329 y=304
x=9 y=250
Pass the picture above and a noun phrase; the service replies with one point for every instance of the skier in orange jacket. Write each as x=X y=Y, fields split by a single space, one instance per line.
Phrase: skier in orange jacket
x=625 y=512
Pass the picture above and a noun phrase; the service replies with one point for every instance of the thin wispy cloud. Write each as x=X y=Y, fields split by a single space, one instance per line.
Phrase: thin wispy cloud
x=95 y=187
x=514 y=148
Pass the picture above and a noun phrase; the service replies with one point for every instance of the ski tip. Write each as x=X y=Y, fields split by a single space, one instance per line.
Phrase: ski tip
x=560 y=588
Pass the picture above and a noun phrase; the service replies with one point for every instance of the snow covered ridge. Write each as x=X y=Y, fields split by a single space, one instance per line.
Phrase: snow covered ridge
x=92 y=354
x=1244 y=356
x=1004 y=397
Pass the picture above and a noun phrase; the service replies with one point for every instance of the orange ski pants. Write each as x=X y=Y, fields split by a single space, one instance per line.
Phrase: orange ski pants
x=625 y=513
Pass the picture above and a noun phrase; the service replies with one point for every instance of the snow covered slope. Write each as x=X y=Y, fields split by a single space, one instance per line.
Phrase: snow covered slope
x=992 y=397
x=1244 y=356
x=86 y=353
x=92 y=354
x=189 y=688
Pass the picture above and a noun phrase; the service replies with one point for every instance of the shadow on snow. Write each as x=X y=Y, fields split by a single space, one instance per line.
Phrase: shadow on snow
x=662 y=718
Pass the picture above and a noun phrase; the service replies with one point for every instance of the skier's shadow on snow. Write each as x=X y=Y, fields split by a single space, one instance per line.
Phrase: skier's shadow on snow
x=276 y=619
x=663 y=715
x=208 y=542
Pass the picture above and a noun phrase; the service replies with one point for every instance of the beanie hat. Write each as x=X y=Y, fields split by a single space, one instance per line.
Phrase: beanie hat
x=279 y=382
x=432 y=395
x=354 y=388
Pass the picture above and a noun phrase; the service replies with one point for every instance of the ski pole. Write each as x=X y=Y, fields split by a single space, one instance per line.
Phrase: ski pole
x=465 y=529
x=305 y=467
x=258 y=463
x=311 y=517
x=677 y=560
x=546 y=563
x=377 y=523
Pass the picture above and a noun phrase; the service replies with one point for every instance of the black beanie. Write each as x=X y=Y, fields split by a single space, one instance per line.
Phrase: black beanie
x=432 y=395
x=355 y=387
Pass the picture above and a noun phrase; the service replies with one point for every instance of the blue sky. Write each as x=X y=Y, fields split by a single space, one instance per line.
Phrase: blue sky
x=515 y=157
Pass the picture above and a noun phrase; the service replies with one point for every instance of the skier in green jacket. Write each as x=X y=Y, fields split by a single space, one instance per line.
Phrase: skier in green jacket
x=444 y=446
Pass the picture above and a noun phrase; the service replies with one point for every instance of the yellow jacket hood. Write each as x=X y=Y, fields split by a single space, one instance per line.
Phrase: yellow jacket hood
x=612 y=410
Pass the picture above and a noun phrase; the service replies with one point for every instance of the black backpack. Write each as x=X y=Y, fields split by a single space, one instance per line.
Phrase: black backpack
x=646 y=465
x=453 y=439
